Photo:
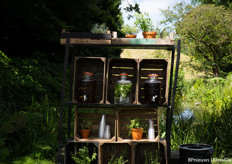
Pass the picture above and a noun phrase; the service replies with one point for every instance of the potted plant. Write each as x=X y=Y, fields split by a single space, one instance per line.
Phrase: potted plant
x=145 y=24
x=131 y=31
x=136 y=129
x=85 y=127
x=99 y=28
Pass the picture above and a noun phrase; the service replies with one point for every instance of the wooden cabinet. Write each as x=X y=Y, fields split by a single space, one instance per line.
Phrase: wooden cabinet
x=120 y=116
x=106 y=71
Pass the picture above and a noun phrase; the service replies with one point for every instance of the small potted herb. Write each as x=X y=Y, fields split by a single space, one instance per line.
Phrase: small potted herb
x=136 y=129
x=99 y=28
x=85 y=127
x=131 y=31
x=145 y=24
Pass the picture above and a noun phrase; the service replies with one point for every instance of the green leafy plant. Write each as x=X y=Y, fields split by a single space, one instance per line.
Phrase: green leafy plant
x=122 y=90
x=119 y=160
x=29 y=160
x=144 y=22
x=86 y=123
x=127 y=29
x=150 y=158
x=82 y=156
x=99 y=28
x=135 y=123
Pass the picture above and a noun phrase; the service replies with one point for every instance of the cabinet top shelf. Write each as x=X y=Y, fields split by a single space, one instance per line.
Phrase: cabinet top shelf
x=105 y=41
x=114 y=106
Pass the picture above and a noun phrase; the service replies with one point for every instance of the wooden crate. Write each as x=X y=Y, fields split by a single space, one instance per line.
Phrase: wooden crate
x=115 y=150
x=95 y=65
x=156 y=150
x=85 y=38
x=95 y=115
x=72 y=147
x=114 y=68
x=124 y=118
x=148 y=66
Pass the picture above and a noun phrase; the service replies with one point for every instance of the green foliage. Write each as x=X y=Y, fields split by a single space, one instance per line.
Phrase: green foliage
x=143 y=22
x=162 y=33
x=150 y=158
x=216 y=117
x=29 y=160
x=183 y=131
x=211 y=93
x=35 y=26
x=29 y=27
x=86 y=123
x=127 y=29
x=207 y=31
x=29 y=120
x=226 y=3
x=82 y=156
x=122 y=90
x=133 y=9
x=135 y=123
x=99 y=28
x=33 y=132
x=119 y=160
x=23 y=79
x=207 y=118
x=173 y=16
x=4 y=151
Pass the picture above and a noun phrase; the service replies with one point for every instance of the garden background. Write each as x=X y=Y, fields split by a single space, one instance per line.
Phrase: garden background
x=31 y=66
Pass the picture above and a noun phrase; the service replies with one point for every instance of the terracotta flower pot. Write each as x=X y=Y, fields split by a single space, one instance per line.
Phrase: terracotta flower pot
x=131 y=36
x=149 y=34
x=85 y=133
x=137 y=134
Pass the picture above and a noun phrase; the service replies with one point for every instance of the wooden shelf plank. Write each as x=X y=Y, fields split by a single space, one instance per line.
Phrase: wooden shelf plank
x=140 y=41
x=86 y=41
x=95 y=140
x=104 y=41
x=116 y=106
x=135 y=141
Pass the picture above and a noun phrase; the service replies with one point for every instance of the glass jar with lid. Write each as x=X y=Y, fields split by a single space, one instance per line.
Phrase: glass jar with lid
x=152 y=90
x=123 y=90
x=87 y=88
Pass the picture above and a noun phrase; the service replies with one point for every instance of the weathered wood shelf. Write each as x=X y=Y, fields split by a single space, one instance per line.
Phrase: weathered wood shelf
x=129 y=141
x=104 y=40
x=118 y=116
x=95 y=140
x=114 y=106
x=140 y=41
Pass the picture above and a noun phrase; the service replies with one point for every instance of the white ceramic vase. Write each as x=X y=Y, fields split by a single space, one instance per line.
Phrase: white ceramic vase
x=107 y=132
x=151 y=130
x=102 y=126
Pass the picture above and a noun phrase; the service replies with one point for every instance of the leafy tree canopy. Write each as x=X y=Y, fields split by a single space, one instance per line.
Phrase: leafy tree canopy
x=226 y=3
x=173 y=16
x=29 y=26
x=206 y=33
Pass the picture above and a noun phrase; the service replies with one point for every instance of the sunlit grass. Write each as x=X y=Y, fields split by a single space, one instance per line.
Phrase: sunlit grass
x=28 y=160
